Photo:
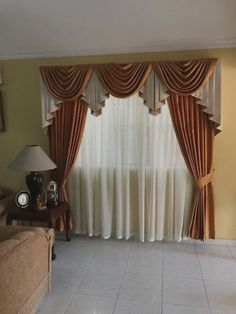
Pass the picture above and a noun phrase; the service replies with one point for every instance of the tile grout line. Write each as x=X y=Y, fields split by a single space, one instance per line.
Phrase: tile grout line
x=73 y=294
x=196 y=251
x=122 y=279
x=127 y=258
x=231 y=253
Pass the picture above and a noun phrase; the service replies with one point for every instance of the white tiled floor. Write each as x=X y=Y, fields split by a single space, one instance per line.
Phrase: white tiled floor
x=94 y=276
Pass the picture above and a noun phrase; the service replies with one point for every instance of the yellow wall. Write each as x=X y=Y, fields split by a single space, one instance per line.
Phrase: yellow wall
x=21 y=97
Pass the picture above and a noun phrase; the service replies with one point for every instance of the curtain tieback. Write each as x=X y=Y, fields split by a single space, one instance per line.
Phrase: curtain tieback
x=203 y=181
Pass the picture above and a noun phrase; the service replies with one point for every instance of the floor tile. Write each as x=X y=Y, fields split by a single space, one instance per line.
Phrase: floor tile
x=233 y=251
x=221 y=295
x=90 y=273
x=145 y=264
x=212 y=252
x=223 y=312
x=219 y=271
x=142 y=248
x=181 y=264
x=56 y=303
x=137 y=307
x=61 y=245
x=113 y=246
x=108 y=263
x=216 y=263
x=184 y=292
x=145 y=287
x=100 y=284
x=75 y=258
x=84 y=304
x=180 y=309
x=180 y=248
x=66 y=279
x=146 y=259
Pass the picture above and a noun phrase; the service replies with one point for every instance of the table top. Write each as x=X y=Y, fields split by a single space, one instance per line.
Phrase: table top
x=34 y=214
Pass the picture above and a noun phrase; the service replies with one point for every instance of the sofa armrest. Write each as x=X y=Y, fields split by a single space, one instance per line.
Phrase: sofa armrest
x=25 y=262
x=11 y=232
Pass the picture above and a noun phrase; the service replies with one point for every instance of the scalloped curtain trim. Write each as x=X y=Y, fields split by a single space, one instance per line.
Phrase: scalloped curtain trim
x=49 y=105
x=209 y=96
x=153 y=82
x=95 y=95
x=154 y=94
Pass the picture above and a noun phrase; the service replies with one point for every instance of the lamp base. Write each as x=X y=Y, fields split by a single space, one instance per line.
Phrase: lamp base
x=34 y=181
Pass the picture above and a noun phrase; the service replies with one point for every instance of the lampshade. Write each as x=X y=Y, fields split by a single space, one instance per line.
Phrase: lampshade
x=32 y=158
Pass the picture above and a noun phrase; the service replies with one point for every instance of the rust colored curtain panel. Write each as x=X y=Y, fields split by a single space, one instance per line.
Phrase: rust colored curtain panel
x=193 y=86
x=195 y=134
x=65 y=136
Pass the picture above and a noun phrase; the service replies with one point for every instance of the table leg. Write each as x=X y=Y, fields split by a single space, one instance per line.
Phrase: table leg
x=8 y=220
x=68 y=228
x=53 y=253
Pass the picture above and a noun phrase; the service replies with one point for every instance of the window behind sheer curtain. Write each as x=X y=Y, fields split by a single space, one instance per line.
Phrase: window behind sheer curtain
x=127 y=134
x=130 y=176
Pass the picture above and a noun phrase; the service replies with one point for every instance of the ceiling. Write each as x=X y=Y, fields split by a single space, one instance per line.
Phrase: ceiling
x=52 y=28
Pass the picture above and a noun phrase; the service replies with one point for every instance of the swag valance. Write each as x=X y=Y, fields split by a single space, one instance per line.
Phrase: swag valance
x=153 y=81
x=191 y=88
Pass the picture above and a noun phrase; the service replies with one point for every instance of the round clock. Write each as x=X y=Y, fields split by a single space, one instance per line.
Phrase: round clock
x=23 y=199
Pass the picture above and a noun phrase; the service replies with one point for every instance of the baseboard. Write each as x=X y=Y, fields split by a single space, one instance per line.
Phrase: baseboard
x=135 y=236
x=220 y=242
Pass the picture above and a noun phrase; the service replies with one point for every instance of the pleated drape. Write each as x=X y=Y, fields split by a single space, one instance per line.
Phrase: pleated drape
x=130 y=176
x=123 y=80
x=66 y=83
x=185 y=77
x=65 y=136
x=195 y=134
x=194 y=128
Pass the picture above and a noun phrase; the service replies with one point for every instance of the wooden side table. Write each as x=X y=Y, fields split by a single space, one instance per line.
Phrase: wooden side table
x=49 y=215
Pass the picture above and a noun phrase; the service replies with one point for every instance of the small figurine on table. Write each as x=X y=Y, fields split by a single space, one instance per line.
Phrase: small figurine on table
x=52 y=194
x=41 y=200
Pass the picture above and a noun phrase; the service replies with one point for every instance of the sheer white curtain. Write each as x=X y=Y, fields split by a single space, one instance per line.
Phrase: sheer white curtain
x=130 y=176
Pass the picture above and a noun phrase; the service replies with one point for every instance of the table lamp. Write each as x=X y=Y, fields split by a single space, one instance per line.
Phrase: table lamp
x=33 y=159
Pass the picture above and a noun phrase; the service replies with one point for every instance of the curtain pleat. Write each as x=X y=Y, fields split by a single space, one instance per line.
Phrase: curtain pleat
x=65 y=136
x=195 y=134
x=185 y=77
x=194 y=128
x=130 y=176
x=66 y=83
x=123 y=80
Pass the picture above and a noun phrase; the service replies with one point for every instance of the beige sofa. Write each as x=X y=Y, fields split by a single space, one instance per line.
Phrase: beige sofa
x=25 y=268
